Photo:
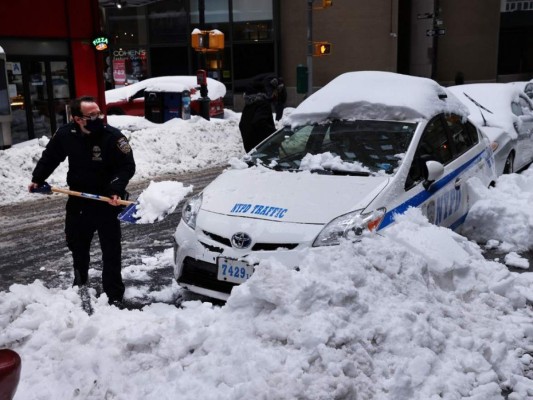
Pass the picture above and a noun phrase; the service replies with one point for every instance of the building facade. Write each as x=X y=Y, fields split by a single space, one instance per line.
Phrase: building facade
x=49 y=60
x=447 y=40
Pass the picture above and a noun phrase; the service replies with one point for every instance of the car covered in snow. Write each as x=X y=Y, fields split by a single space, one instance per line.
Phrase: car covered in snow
x=129 y=100
x=528 y=89
x=505 y=114
x=365 y=147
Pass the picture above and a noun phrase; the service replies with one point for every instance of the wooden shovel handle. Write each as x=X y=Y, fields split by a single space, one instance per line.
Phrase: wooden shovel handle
x=89 y=196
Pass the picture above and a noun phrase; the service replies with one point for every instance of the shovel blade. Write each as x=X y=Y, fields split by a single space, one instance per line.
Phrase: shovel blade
x=128 y=214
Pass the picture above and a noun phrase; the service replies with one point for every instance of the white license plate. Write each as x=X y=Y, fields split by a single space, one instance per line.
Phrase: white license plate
x=232 y=270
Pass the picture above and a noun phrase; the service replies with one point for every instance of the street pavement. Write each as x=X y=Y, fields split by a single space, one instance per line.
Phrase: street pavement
x=32 y=242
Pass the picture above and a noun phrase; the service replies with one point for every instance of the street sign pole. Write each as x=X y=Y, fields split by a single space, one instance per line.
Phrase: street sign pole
x=434 y=60
x=309 y=47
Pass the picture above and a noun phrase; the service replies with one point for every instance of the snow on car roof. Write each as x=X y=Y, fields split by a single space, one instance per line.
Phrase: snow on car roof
x=496 y=97
x=376 y=95
x=215 y=88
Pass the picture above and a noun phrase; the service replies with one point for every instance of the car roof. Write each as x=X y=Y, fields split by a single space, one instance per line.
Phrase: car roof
x=376 y=95
x=177 y=83
x=495 y=97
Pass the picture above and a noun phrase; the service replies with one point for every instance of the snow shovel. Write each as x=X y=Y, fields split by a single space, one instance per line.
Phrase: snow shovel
x=154 y=204
x=125 y=216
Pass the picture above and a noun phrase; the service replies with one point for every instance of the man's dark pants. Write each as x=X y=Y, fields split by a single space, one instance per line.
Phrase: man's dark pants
x=83 y=218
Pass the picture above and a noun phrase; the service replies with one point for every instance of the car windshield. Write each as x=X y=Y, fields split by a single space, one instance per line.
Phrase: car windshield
x=338 y=147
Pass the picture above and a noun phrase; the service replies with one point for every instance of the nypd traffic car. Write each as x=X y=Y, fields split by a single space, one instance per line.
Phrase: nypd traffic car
x=361 y=150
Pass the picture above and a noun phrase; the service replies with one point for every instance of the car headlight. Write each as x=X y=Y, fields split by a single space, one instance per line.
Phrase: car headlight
x=349 y=226
x=190 y=210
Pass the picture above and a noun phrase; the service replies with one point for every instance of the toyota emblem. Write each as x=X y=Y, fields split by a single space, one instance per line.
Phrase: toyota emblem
x=241 y=240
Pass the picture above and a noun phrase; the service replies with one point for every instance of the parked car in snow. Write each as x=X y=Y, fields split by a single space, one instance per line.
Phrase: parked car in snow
x=505 y=114
x=362 y=149
x=528 y=89
x=129 y=100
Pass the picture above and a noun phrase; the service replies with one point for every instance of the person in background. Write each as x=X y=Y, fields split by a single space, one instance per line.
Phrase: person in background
x=281 y=98
x=100 y=162
x=257 y=121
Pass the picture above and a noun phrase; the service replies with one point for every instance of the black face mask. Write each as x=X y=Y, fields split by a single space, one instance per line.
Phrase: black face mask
x=94 y=126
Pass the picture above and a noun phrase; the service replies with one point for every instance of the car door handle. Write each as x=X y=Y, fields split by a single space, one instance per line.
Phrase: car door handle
x=457 y=183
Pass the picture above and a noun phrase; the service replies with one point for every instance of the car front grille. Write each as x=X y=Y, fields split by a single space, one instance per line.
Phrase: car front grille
x=203 y=274
x=256 y=247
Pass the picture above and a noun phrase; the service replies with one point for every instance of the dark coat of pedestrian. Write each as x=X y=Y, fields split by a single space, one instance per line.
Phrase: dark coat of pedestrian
x=281 y=98
x=100 y=162
x=257 y=121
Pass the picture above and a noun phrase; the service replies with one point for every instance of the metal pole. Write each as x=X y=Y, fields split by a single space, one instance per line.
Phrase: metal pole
x=201 y=14
x=204 y=100
x=436 y=17
x=309 y=47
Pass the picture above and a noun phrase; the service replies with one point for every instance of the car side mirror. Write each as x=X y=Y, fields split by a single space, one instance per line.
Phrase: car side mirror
x=433 y=170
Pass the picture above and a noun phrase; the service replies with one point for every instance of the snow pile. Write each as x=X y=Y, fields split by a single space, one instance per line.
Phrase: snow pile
x=159 y=199
x=173 y=147
x=503 y=213
x=312 y=162
x=385 y=318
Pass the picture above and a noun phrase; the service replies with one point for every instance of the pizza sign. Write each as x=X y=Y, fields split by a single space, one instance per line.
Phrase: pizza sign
x=100 y=43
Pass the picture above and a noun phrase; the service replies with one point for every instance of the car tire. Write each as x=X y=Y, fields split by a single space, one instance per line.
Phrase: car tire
x=509 y=164
x=115 y=111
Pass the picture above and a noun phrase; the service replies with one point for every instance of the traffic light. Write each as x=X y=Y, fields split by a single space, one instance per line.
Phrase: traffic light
x=323 y=4
x=321 y=49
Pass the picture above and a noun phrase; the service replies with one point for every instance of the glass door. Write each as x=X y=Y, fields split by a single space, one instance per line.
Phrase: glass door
x=16 y=84
x=39 y=90
x=39 y=96
x=61 y=92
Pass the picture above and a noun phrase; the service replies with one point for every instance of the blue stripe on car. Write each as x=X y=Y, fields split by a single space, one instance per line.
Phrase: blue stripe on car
x=421 y=197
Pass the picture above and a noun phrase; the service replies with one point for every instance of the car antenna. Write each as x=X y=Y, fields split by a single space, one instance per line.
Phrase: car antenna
x=480 y=108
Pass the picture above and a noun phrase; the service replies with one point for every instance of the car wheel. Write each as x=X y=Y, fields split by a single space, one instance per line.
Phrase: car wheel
x=509 y=164
x=115 y=111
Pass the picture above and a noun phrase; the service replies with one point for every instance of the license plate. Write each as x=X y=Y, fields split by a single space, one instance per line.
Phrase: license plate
x=232 y=270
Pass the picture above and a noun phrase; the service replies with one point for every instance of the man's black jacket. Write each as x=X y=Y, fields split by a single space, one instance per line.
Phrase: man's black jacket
x=101 y=163
x=257 y=121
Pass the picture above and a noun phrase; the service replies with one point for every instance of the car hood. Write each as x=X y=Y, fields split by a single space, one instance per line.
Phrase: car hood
x=298 y=197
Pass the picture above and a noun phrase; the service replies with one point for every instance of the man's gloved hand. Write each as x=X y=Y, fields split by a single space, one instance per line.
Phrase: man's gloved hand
x=113 y=200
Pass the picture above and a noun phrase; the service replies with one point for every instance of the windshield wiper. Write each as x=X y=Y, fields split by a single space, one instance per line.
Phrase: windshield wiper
x=339 y=172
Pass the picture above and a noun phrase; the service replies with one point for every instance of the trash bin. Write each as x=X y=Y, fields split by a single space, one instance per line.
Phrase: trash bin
x=171 y=105
x=154 y=106
x=186 y=104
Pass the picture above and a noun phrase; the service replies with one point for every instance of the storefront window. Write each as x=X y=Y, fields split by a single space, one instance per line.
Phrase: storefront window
x=39 y=99
x=169 y=60
x=216 y=11
x=19 y=125
x=129 y=65
x=252 y=21
x=127 y=26
x=258 y=10
x=61 y=89
x=167 y=21
x=4 y=97
x=253 y=63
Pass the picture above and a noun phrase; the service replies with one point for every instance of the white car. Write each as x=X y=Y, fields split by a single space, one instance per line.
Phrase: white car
x=528 y=89
x=365 y=147
x=505 y=114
